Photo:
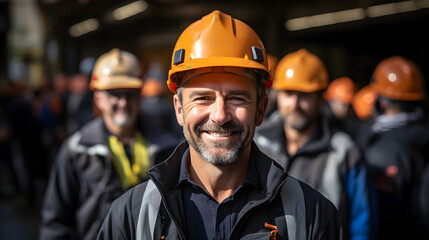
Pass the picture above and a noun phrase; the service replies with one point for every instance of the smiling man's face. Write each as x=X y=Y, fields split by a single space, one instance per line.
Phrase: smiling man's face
x=218 y=113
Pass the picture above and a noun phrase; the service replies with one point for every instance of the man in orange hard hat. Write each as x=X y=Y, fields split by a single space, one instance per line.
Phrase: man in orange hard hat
x=339 y=96
x=302 y=140
x=338 y=105
x=364 y=103
x=218 y=185
x=106 y=156
x=396 y=145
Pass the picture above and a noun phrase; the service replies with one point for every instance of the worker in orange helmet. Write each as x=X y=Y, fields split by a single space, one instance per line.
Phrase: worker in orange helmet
x=304 y=142
x=396 y=145
x=339 y=96
x=364 y=103
x=156 y=104
x=338 y=105
x=218 y=185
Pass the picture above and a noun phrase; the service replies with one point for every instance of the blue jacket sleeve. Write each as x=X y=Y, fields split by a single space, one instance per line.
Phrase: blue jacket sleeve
x=363 y=203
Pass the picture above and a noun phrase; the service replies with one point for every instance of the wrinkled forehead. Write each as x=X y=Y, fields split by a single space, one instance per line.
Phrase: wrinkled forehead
x=221 y=81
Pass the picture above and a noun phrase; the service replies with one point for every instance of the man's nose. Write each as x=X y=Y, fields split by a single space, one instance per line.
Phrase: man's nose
x=218 y=112
x=122 y=100
x=293 y=100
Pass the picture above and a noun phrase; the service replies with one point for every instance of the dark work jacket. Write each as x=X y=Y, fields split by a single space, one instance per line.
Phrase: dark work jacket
x=331 y=162
x=154 y=209
x=397 y=159
x=84 y=183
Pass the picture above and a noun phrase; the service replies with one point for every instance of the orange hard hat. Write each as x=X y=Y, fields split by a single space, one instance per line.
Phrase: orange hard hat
x=341 y=89
x=217 y=40
x=116 y=69
x=398 y=78
x=153 y=87
x=363 y=102
x=301 y=71
x=272 y=62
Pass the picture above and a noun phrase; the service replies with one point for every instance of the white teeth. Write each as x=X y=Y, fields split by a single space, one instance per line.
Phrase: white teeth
x=220 y=134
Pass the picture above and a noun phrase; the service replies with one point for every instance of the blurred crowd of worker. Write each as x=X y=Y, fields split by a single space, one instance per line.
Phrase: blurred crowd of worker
x=35 y=122
x=366 y=148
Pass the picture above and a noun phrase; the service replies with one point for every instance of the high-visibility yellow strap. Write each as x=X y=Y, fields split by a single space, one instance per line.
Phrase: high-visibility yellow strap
x=130 y=175
x=141 y=156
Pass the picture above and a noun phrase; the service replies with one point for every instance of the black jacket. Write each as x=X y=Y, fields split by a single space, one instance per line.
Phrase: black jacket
x=331 y=162
x=84 y=183
x=396 y=159
x=153 y=209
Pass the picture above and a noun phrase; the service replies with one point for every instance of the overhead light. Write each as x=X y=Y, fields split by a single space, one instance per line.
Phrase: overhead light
x=391 y=8
x=381 y=10
x=354 y=14
x=325 y=19
x=406 y=6
x=84 y=27
x=129 y=10
x=423 y=3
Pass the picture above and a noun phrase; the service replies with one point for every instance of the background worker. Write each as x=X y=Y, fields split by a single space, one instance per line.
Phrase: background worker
x=156 y=104
x=364 y=103
x=396 y=147
x=218 y=185
x=106 y=156
x=302 y=140
x=338 y=105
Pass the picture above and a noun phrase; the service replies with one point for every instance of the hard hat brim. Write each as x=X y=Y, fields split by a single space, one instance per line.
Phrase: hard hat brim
x=116 y=82
x=213 y=62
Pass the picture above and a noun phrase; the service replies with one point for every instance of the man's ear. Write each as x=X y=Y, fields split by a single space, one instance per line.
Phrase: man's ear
x=178 y=109
x=98 y=99
x=262 y=109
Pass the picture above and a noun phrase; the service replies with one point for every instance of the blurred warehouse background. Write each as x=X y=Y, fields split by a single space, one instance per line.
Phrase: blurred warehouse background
x=42 y=39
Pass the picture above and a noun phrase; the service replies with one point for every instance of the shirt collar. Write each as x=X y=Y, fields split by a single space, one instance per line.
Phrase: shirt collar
x=184 y=174
x=251 y=175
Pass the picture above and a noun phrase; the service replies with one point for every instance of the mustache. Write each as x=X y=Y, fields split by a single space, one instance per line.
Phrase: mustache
x=213 y=127
x=120 y=108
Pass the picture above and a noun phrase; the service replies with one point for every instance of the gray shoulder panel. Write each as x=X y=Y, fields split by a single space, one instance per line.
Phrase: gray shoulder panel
x=151 y=202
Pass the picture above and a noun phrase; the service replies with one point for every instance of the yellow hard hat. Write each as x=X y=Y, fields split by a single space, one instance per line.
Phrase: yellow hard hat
x=217 y=40
x=116 y=69
x=341 y=89
x=301 y=71
x=398 y=78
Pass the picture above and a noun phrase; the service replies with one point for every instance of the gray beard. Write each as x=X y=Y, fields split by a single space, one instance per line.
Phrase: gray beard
x=122 y=123
x=301 y=126
x=216 y=159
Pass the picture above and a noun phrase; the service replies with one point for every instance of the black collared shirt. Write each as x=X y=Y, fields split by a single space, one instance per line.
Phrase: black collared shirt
x=205 y=217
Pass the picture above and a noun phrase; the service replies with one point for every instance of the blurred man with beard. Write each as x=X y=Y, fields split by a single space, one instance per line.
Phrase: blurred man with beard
x=106 y=156
x=218 y=185
x=302 y=140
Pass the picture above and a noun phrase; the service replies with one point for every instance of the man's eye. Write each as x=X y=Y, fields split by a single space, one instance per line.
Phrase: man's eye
x=201 y=99
x=237 y=99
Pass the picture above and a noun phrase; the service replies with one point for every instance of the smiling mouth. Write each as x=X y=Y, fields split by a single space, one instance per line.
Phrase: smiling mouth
x=220 y=134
